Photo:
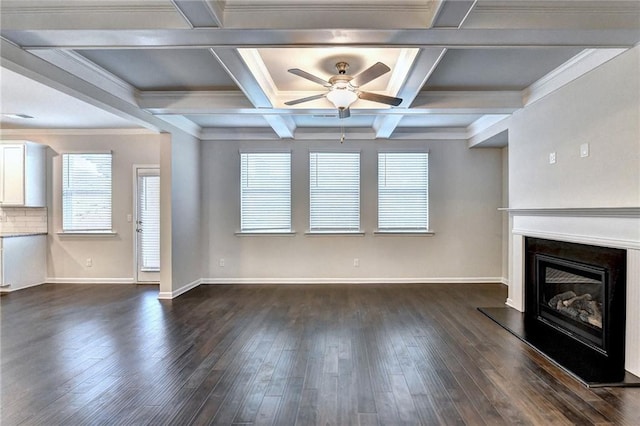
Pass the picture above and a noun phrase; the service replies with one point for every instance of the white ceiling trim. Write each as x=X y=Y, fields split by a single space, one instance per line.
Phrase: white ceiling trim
x=218 y=38
x=571 y=70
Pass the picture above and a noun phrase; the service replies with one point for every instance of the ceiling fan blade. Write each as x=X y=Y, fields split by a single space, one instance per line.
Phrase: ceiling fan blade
x=383 y=99
x=310 y=77
x=344 y=113
x=371 y=73
x=307 y=99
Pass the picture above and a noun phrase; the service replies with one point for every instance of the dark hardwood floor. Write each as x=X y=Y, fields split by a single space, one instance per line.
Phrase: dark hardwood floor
x=282 y=355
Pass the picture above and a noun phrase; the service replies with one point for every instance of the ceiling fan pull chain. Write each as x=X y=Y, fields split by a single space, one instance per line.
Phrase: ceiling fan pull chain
x=342 y=132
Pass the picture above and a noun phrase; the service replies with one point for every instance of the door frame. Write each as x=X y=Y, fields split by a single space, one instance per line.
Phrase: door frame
x=134 y=217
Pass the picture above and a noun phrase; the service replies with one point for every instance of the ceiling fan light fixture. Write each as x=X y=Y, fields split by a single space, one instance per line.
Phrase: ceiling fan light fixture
x=342 y=98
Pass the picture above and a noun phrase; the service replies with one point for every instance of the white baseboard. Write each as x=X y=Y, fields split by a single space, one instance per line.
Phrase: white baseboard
x=504 y=280
x=441 y=280
x=91 y=280
x=167 y=295
x=510 y=304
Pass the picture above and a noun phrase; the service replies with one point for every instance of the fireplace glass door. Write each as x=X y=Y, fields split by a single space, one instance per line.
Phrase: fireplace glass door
x=571 y=297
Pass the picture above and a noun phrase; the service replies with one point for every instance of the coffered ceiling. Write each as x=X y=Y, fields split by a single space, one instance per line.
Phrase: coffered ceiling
x=219 y=69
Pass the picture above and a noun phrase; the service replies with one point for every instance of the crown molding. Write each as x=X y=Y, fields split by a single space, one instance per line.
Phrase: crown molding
x=72 y=132
x=414 y=6
x=574 y=68
x=551 y=7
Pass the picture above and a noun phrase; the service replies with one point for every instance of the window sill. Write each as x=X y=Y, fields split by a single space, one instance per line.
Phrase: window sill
x=336 y=233
x=87 y=233
x=408 y=233
x=264 y=234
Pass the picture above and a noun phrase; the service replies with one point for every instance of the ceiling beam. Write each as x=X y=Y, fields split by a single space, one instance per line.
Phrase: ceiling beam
x=218 y=38
x=193 y=102
x=201 y=13
x=237 y=69
x=233 y=102
x=283 y=125
x=423 y=66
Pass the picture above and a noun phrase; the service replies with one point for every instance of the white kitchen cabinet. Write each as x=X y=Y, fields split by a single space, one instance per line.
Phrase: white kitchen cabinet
x=22 y=174
x=22 y=261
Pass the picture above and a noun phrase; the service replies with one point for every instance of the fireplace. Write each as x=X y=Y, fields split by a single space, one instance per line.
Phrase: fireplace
x=575 y=306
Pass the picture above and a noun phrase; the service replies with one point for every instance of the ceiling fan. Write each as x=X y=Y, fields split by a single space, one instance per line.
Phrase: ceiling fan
x=344 y=89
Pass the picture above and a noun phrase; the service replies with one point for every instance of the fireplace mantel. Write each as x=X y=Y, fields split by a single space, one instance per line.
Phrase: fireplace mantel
x=617 y=227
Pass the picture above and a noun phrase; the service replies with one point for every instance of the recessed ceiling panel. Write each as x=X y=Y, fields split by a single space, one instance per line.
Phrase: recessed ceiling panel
x=228 y=120
x=496 y=69
x=438 y=120
x=321 y=63
x=164 y=69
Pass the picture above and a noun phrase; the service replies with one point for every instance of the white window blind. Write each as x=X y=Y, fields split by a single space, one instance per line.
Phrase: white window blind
x=149 y=216
x=86 y=192
x=265 y=192
x=334 y=191
x=403 y=191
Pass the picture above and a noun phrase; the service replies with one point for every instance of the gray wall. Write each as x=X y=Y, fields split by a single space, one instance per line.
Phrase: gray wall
x=465 y=192
x=601 y=108
x=180 y=214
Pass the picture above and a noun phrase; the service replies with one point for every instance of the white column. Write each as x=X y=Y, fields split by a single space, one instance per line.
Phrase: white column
x=516 y=274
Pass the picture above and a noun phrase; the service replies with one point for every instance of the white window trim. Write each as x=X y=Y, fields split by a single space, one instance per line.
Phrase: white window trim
x=338 y=231
x=84 y=232
x=266 y=232
x=404 y=231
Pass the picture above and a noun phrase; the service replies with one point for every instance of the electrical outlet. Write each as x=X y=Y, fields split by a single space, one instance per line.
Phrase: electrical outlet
x=129 y=218
x=356 y=262
x=221 y=263
x=89 y=262
x=552 y=158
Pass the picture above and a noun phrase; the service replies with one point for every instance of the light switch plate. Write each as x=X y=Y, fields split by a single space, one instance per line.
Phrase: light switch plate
x=552 y=158
x=584 y=150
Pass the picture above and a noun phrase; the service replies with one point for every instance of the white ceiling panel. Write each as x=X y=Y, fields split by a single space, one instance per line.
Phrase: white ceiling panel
x=321 y=63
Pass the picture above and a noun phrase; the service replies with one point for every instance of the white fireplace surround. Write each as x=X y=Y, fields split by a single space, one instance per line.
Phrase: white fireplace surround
x=608 y=227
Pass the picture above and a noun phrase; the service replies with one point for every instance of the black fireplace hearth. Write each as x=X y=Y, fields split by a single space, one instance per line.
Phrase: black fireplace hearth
x=575 y=306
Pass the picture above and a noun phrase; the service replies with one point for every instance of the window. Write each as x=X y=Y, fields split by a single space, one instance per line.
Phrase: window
x=403 y=191
x=334 y=192
x=86 y=192
x=265 y=192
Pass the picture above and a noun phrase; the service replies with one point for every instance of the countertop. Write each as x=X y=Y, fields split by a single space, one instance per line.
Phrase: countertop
x=21 y=234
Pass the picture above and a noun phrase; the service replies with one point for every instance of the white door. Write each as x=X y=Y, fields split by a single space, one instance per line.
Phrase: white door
x=147 y=221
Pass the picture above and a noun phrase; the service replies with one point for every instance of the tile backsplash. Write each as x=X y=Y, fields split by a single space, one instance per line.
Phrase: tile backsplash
x=23 y=220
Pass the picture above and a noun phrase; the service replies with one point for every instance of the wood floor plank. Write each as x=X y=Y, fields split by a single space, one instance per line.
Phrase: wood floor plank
x=282 y=354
